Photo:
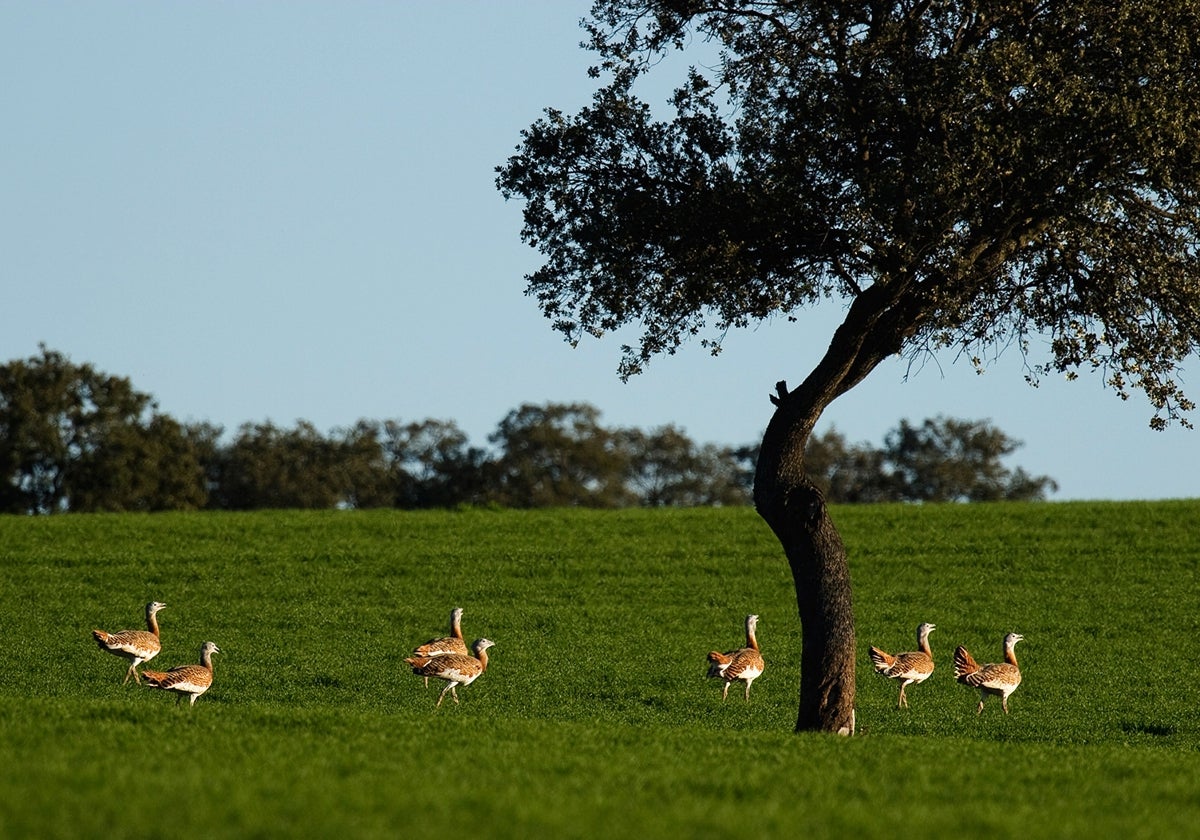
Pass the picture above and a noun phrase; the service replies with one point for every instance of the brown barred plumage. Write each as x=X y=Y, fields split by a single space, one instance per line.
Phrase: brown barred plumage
x=745 y=664
x=452 y=644
x=910 y=667
x=137 y=646
x=999 y=678
x=186 y=680
x=452 y=668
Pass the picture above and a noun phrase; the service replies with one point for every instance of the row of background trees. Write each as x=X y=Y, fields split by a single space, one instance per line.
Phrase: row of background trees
x=73 y=438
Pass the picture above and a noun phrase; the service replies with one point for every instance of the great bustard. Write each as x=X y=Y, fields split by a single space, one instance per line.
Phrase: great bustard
x=137 y=646
x=911 y=667
x=452 y=644
x=999 y=678
x=745 y=664
x=186 y=680
x=453 y=668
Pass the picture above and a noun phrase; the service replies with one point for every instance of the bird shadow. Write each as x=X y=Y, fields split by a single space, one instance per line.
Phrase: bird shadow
x=1130 y=727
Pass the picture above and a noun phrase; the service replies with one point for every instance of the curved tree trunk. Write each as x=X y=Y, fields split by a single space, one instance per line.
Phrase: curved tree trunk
x=795 y=510
x=878 y=321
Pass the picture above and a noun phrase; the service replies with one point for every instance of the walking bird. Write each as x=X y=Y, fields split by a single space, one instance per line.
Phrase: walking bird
x=186 y=680
x=745 y=664
x=137 y=646
x=1000 y=678
x=447 y=644
x=453 y=668
x=911 y=667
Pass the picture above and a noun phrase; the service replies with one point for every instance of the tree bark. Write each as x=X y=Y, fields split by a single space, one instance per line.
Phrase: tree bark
x=879 y=320
x=796 y=512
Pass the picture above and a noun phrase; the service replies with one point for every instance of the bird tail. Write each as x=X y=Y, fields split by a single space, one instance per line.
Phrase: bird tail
x=418 y=662
x=881 y=660
x=718 y=662
x=964 y=664
x=155 y=678
x=101 y=638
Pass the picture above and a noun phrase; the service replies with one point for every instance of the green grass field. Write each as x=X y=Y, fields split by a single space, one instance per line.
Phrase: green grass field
x=594 y=719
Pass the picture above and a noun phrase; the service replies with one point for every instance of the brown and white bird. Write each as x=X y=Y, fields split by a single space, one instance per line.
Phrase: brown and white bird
x=453 y=668
x=745 y=664
x=1000 y=678
x=911 y=667
x=447 y=644
x=137 y=646
x=186 y=680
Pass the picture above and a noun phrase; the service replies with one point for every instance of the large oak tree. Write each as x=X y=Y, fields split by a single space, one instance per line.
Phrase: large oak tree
x=961 y=176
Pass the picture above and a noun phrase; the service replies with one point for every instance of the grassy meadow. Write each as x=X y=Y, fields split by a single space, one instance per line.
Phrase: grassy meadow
x=594 y=719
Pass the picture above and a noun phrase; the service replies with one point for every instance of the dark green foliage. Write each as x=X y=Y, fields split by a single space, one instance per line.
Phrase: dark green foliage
x=433 y=465
x=559 y=455
x=269 y=467
x=74 y=438
x=960 y=174
x=667 y=469
x=947 y=460
x=942 y=460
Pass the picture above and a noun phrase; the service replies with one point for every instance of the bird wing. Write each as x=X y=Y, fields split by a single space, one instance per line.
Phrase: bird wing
x=746 y=663
x=442 y=646
x=135 y=642
x=451 y=667
x=914 y=665
x=994 y=676
x=192 y=679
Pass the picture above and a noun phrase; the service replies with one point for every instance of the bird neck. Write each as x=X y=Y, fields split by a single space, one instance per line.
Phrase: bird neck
x=152 y=621
x=455 y=626
x=482 y=656
x=1010 y=655
x=751 y=641
x=923 y=644
x=206 y=658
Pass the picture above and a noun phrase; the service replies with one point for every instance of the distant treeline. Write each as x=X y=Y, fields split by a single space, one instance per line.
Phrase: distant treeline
x=75 y=439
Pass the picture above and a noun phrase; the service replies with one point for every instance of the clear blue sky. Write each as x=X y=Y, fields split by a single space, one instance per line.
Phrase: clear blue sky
x=282 y=211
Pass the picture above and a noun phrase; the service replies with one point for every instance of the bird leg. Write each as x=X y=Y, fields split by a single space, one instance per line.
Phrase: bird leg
x=131 y=672
x=903 y=704
x=747 y=692
x=442 y=696
x=725 y=692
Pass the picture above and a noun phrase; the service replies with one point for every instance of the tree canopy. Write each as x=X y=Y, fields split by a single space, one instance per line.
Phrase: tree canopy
x=969 y=175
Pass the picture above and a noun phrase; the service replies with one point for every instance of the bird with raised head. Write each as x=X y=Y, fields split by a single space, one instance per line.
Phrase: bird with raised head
x=998 y=678
x=452 y=644
x=909 y=667
x=137 y=646
x=745 y=663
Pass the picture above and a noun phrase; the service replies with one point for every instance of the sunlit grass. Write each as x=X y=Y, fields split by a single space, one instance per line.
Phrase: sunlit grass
x=594 y=719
